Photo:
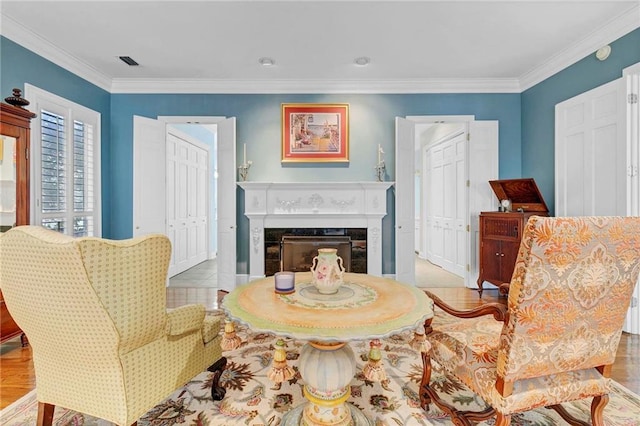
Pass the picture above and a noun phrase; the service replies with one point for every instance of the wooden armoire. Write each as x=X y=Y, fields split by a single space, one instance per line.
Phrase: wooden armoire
x=501 y=231
x=15 y=124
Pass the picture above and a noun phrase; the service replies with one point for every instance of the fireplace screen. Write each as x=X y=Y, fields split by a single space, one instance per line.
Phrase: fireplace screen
x=298 y=251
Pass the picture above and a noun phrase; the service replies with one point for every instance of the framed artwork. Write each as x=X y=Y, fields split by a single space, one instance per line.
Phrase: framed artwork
x=315 y=133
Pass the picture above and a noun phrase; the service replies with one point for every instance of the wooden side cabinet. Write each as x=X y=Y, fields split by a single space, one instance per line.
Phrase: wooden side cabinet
x=501 y=231
x=500 y=235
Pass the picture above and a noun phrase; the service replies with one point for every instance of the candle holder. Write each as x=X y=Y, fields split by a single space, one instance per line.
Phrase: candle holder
x=381 y=170
x=243 y=170
x=284 y=282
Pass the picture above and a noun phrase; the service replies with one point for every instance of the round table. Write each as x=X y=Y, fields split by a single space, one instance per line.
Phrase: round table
x=366 y=307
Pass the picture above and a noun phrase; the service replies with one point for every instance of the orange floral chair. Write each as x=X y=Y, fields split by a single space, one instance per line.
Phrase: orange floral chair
x=94 y=311
x=556 y=339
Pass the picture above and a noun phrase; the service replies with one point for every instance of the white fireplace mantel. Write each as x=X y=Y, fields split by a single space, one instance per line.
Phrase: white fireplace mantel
x=315 y=205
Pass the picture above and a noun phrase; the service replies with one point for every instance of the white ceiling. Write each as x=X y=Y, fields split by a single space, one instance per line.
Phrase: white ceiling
x=414 y=46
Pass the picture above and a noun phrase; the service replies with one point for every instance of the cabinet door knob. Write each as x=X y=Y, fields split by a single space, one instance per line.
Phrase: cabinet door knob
x=497 y=254
x=502 y=255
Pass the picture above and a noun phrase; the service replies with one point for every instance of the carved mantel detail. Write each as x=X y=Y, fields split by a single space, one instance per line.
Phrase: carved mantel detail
x=304 y=205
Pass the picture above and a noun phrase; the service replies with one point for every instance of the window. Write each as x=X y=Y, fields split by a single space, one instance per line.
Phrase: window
x=65 y=153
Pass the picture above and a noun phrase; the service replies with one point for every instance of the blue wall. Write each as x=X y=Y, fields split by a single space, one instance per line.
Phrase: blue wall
x=19 y=66
x=371 y=121
x=538 y=107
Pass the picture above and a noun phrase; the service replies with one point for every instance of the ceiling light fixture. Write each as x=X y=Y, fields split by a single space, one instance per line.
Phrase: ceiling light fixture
x=362 y=61
x=129 y=61
x=266 y=62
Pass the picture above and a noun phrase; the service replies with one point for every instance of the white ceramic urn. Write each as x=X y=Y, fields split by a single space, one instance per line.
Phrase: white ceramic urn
x=327 y=271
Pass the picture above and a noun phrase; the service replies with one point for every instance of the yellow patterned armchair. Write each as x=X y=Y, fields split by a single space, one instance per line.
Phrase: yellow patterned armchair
x=94 y=311
x=556 y=339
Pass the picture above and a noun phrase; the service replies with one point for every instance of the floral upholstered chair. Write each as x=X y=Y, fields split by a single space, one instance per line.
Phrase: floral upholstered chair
x=556 y=339
x=94 y=311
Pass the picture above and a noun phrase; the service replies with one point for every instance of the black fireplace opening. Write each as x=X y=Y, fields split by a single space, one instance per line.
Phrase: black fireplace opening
x=293 y=249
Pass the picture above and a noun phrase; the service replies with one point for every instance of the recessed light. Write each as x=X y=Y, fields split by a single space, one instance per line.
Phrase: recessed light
x=362 y=61
x=266 y=62
x=128 y=60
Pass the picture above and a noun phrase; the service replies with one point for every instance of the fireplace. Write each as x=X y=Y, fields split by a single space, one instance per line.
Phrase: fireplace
x=298 y=252
x=291 y=249
x=339 y=209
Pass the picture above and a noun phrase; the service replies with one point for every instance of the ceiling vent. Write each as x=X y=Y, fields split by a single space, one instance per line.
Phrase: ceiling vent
x=129 y=61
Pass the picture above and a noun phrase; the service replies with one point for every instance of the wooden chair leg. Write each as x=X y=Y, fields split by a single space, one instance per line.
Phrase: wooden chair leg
x=573 y=421
x=503 y=419
x=217 y=391
x=597 y=408
x=425 y=399
x=45 y=414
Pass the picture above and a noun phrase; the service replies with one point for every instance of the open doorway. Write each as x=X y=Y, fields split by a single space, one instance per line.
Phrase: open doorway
x=472 y=196
x=441 y=195
x=191 y=185
x=149 y=178
x=440 y=228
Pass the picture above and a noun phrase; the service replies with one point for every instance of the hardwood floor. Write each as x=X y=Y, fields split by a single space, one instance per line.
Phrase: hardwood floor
x=17 y=377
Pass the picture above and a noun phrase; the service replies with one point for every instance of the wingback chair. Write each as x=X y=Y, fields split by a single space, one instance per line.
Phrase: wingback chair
x=556 y=339
x=94 y=312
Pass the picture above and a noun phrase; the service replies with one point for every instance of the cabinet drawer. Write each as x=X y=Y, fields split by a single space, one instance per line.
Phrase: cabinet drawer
x=501 y=228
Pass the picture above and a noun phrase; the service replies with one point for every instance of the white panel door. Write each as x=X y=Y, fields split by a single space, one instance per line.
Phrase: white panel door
x=454 y=204
x=459 y=219
x=427 y=212
x=405 y=201
x=482 y=167
x=446 y=198
x=435 y=201
x=448 y=204
x=200 y=218
x=227 y=204
x=149 y=165
x=197 y=190
x=187 y=189
x=175 y=231
x=632 y=322
x=591 y=153
x=597 y=158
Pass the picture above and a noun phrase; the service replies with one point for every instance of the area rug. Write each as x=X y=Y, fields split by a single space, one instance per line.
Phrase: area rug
x=253 y=400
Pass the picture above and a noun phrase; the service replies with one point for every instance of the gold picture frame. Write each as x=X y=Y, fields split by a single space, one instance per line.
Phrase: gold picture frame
x=315 y=133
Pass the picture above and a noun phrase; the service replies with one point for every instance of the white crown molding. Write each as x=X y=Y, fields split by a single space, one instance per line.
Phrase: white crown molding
x=40 y=46
x=610 y=32
x=316 y=86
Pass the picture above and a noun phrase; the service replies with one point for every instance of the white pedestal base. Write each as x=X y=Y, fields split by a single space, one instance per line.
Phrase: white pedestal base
x=294 y=416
